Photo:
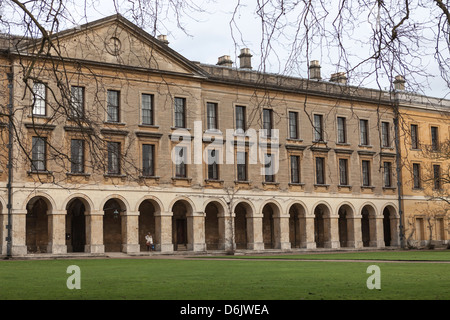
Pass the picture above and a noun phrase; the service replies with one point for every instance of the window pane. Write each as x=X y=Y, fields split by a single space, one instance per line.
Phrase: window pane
x=366 y=172
x=180 y=166
x=148 y=160
x=241 y=158
x=240 y=119
x=385 y=134
x=113 y=106
x=387 y=174
x=211 y=109
x=343 y=172
x=267 y=122
x=147 y=109
x=38 y=154
x=295 y=169
x=77 y=156
x=77 y=102
x=180 y=109
x=434 y=138
x=320 y=171
x=293 y=131
x=364 y=132
x=318 y=127
x=437 y=176
x=414 y=137
x=269 y=170
x=113 y=157
x=341 y=130
x=39 y=98
x=416 y=175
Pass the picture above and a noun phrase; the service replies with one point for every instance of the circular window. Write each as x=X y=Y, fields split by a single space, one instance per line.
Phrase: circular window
x=113 y=46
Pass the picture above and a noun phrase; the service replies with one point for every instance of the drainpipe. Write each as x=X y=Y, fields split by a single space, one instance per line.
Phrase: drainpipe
x=398 y=167
x=10 y=76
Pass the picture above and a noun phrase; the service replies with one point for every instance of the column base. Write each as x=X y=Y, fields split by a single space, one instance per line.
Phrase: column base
x=131 y=248
x=18 y=250
x=95 y=248
x=57 y=249
x=257 y=246
x=165 y=247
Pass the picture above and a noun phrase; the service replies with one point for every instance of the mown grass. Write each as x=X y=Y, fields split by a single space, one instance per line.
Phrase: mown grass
x=182 y=279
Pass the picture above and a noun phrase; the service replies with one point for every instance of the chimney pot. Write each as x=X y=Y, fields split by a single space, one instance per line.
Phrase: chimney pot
x=314 y=70
x=399 y=83
x=225 y=61
x=163 y=39
x=245 y=59
x=339 y=77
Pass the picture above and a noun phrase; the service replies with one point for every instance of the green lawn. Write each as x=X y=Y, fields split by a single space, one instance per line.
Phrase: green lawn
x=237 y=279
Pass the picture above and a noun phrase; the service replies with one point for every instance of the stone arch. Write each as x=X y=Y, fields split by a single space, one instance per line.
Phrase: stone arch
x=39 y=207
x=270 y=210
x=346 y=228
x=181 y=208
x=322 y=226
x=243 y=212
x=391 y=235
x=76 y=210
x=88 y=204
x=124 y=206
x=113 y=213
x=148 y=207
x=368 y=225
x=297 y=225
x=214 y=224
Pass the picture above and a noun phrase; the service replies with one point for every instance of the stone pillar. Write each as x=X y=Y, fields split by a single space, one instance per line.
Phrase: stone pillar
x=308 y=240
x=395 y=231
x=19 y=219
x=281 y=231
x=254 y=232
x=163 y=231
x=331 y=224
x=226 y=232
x=379 y=232
x=196 y=231
x=94 y=232
x=354 y=232
x=57 y=232
x=130 y=230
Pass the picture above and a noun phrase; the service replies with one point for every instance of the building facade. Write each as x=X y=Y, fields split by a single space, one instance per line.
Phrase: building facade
x=118 y=136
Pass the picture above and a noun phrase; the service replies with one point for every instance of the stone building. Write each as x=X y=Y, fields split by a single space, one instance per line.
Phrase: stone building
x=119 y=135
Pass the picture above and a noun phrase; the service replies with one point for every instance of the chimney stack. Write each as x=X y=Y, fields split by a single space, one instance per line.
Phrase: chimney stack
x=339 y=77
x=225 y=61
x=314 y=70
x=399 y=83
x=163 y=39
x=245 y=59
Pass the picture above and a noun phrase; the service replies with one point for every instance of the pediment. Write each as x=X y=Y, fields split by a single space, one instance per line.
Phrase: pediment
x=116 y=41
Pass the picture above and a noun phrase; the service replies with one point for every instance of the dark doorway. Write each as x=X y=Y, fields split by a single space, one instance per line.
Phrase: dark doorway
x=365 y=227
x=181 y=232
x=37 y=226
x=342 y=224
x=240 y=226
x=319 y=235
x=387 y=227
x=112 y=226
x=76 y=226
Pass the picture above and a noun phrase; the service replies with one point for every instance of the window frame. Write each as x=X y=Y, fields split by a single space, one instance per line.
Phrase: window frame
x=239 y=121
x=114 y=157
x=38 y=156
x=364 y=132
x=77 y=167
x=385 y=134
x=414 y=136
x=320 y=174
x=148 y=111
x=318 y=129
x=416 y=173
x=38 y=99
x=295 y=175
x=182 y=112
x=113 y=107
x=77 y=107
x=293 y=125
x=241 y=167
x=387 y=174
x=212 y=119
x=341 y=131
x=366 y=173
x=148 y=160
x=181 y=167
x=343 y=174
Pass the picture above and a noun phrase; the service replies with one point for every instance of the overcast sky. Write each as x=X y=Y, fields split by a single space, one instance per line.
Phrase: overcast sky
x=209 y=35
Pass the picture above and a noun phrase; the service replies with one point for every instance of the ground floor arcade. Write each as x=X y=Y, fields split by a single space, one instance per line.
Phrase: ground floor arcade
x=114 y=223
